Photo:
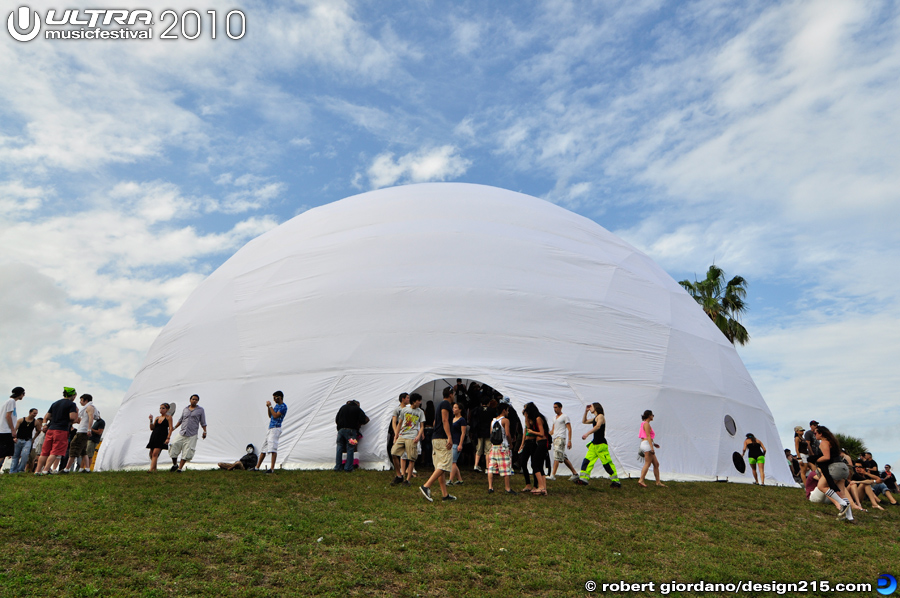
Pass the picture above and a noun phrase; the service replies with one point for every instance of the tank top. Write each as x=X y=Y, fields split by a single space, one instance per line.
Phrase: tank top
x=82 y=413
x=25 y=431
x=755 y=450
x=643 y=435
x=505 y=440
x=600 y=435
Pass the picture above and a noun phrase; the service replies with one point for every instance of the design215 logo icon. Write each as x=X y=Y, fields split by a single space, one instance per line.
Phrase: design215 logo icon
x=15 y=25
x=887 y=584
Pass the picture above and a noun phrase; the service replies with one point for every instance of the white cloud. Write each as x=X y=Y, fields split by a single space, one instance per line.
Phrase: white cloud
x=833 y=370
x=436 y=164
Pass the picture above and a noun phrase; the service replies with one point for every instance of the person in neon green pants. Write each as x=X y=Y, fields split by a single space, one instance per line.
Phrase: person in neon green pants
x=597 y=447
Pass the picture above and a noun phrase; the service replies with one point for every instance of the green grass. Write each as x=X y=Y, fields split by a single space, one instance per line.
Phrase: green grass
x=211 y=533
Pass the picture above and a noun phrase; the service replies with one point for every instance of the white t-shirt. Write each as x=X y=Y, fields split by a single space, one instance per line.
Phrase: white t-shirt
x=559 y=427
x=8 y=407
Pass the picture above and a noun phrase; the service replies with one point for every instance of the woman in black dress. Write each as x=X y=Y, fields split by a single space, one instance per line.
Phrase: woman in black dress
x=161 y=427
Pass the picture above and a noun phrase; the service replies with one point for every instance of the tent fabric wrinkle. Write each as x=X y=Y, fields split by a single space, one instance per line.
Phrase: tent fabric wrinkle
x=414 y=286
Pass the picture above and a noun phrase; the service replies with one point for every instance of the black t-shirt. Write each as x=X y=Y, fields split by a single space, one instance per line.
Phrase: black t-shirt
x=439 y=419
x=456 y=429
x=59 y=414
x=349 y=416
x=870 y=466
x=99 y=424
x=889 y=480
x=858 y=477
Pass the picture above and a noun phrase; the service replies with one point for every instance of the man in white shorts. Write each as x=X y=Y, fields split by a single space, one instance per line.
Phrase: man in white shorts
x=562 y=439
x=276 y=418
x=193 y=418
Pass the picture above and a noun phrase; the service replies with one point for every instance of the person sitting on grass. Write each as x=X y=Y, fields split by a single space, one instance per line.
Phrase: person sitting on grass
x=246 y=462
x=500 y=458
x=862 y=483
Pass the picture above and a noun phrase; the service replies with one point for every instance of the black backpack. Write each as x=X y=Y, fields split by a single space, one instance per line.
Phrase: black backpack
x=497 y=433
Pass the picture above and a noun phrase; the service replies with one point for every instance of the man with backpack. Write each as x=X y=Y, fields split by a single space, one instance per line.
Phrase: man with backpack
x=500 y=460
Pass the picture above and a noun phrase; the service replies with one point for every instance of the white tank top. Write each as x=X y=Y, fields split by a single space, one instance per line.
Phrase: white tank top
x=82 y=413
x=505 y=441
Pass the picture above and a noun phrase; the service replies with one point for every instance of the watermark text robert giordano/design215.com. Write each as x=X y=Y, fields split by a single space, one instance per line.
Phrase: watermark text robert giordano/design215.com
x=25 y=24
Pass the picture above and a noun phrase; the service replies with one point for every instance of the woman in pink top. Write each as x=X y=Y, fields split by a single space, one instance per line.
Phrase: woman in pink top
x=647 y=435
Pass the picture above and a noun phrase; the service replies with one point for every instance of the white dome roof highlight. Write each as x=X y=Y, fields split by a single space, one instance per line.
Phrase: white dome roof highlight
x=379 y=293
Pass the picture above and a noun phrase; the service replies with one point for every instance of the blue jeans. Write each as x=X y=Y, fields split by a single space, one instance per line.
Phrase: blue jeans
x=343 y=444
x=20 y=456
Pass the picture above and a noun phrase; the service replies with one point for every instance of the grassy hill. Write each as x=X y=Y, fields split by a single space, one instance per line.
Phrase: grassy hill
x=211 y=533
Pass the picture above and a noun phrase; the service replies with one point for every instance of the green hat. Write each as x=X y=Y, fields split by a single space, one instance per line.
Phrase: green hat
x=69 y=392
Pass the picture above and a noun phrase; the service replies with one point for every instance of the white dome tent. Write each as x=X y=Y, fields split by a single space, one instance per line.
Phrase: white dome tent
x=385 y=291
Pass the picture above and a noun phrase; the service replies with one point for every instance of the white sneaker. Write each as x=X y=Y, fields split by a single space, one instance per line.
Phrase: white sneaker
x=574 y=477
x=552 y=478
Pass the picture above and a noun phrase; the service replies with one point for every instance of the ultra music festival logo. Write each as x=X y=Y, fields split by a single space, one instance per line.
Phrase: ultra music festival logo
x=25 y=25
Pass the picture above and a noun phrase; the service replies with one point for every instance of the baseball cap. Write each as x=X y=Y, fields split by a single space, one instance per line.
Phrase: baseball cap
x=814 y=423
x=16 y=392
x=798 y=428
x=69 y=391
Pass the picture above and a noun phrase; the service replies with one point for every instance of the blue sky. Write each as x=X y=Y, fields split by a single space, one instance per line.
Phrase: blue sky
x=762 y=137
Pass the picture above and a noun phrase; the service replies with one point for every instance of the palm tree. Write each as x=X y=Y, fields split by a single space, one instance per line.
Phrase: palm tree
x=723 y=303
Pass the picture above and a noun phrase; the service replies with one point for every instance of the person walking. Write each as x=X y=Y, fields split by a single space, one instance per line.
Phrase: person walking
x=441 y=445
x=160 y=432
x=192 y=419
x=648 y=448
x=757 y=458
x=276 y=414
x=561 y=433
x=598 y=448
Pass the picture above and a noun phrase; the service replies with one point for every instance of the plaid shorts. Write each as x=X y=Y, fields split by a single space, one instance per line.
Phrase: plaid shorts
x=499 y=461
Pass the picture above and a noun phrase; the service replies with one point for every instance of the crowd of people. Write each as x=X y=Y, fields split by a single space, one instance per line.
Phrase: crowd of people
x=64 y=440
x=830 y=474
x=472 y=425
x=476 y=424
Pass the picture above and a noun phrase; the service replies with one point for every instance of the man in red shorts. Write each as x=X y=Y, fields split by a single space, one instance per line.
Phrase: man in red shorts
x=60 y=417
